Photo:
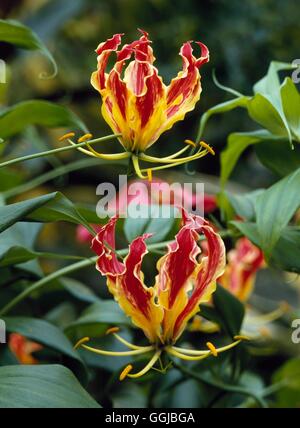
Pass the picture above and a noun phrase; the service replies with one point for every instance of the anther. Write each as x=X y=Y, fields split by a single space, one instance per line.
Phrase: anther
x=125 y=372
x=112 y=330
x=66 y=136
x=149 y=173
x=190 y=142
x=207 y=147
x=84 y=137
x=241 y=337
x=212 y=349
x=81 y=341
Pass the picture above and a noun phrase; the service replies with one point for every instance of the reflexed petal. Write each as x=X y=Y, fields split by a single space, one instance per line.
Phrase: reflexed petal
x=125 y=280
x=185 y=89
x=139 y=105
x=184 y=282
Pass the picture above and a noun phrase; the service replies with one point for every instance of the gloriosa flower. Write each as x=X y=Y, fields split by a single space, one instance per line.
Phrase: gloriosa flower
x=185 y=279
x=243 y=263
x=138 y=106
x=23 y=348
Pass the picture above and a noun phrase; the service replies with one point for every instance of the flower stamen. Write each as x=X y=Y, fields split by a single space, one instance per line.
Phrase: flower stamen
x=207 y=147
x=143 y=350
x=85 y=137
x=146 y=368
x=212 y=349
x=66 y=136
x=175 y=353
x=125 y=372
x=81 y=341
x=190 y=142
x=114 y=330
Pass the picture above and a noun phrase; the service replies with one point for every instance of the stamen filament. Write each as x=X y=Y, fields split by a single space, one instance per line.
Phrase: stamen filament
x=270 y=316
x=147 y=367
x=172 y=351
x=178 y=162
x=221 y=349
x=128 y=344
x=118 y=354
x=115 y=156
x=94 y=153
x=136 y=165
x=152 y=159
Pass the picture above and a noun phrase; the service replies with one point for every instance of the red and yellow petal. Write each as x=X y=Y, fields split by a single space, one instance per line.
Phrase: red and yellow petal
x=243 y=263
x=139 y=105
x=185 y=89
x=125 y=281
x=209 y=269
x=184 y=282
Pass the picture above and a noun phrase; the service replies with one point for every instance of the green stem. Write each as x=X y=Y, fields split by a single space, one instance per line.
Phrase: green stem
x=236 y=389
x=50 y=175
x=60 y=149
x=58 y=256
x=64 y=271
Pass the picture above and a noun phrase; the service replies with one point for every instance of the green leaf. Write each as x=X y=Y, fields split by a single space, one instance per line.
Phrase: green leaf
x=237 y=143
x=289 y=376
x=230 y=309
x=248 y=229
x=45 y=386
x=96 y=318
x=10 y=214
x=127 y=395
x=220 y=108
x=269 y=85
x=16 y=243
x=274 y=209
x=78 y=290
x=286 y=253
x=267 y=115
x=291 y=105
x=244 y=204
x=47 y=208
x=59 y=208
x=160 y=227
x=16 y=118
x=271 y=153
x=19 y=35
x=49 y=336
